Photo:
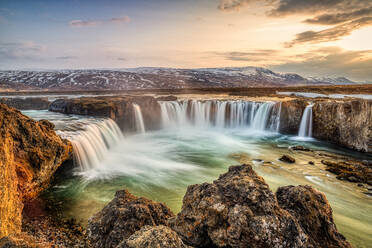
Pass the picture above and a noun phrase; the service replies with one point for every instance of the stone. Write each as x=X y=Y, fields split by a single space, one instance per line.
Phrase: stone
x=237 y=210
x=352 y=171
x=314 y=214
x=30 y=153
x=311 y=162
x=122 y=217
x=347 y=123
x=29 y=103
x=287 y=159
x=153 y=237
x=299 y=148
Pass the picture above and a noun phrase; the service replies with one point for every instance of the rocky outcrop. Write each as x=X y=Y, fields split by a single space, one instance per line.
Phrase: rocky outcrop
x=123 y=216
x=287 y=159
x=153 y=236
x=290 y=116
x=314 y=214
x=239 y=210
x=35 y=103
x=30 y=153
x=346 y=123
x=353 y=171
x=120 y=109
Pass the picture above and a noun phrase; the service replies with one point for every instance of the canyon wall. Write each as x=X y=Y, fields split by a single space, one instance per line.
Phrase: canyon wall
x=346 y=123
x=29 y=103
x=120 y=109
x=30 y=153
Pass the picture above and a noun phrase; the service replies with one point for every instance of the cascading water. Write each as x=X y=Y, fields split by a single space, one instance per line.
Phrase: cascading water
x=233 y=114
x=306 y=126
x=91 y=144
x=140 y=125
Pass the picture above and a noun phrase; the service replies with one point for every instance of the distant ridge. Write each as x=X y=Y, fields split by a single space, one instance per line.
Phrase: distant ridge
x=157 y=78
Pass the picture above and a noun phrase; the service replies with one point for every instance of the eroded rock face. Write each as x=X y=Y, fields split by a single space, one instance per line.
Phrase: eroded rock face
x=153 y=237
x=35 y=103
x=290 y=116
x=346 y=123
x=236 y=210
x=239 y=210
x=123 y=216
x=30 y=153
x=120 y=109
x=352 y=171
x=314 y=214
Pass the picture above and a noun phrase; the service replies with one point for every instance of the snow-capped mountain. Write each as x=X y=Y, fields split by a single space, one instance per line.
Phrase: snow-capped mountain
x=155 y=78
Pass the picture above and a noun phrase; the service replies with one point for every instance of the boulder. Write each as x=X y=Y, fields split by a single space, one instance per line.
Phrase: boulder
x=314 y=214
x=237 y=210
x=153 y=237
x=30 y=153
x=287 y=159
x=123 y=216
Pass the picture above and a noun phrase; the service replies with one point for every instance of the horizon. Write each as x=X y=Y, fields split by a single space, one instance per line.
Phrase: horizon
x=311 y=38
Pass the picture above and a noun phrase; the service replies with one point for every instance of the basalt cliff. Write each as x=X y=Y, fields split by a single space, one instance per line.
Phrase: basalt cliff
x=30 y=153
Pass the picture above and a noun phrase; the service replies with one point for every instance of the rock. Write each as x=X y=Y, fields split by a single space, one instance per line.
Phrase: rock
x=299 y=148
x=290 y=116
x=287 y=159
x=166 y=98
x=237 y=210
x=311 y=162
x=314 y=214
x=30 y=153
x=153 y=237
x=350 y=171
x=34 y=103
x=123 y=216
x=119 y=108
x=347 y=123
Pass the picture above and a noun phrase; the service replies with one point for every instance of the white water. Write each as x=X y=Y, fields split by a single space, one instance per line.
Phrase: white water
x=91 y=145
x=221 y=114
x=140 y=125
x=306 y=125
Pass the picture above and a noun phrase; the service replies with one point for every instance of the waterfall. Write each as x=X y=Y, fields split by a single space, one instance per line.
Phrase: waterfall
x=262 y=116
x=91 y=144
x=140 y=125
x=306 y=126
x=232 y=114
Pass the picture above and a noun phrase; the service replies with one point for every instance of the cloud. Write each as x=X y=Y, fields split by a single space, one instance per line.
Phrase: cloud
x=330 y=34
x=66 y=57
x=248 y=56
x=228 y=5
x=332 y=61
x=21 y=50
x=337 y=18
x=122 y=59
x=94 y=23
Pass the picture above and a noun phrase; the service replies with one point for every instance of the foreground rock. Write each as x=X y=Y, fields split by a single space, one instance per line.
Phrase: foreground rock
x=120 y=109
x=314 y=214
x=123 y=216
x=346 y=123
x=30 y=103
x=239 y=210
x=153 y=236
x=30 y=153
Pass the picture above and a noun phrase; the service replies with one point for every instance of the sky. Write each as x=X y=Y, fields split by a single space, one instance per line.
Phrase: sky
x=308 y=37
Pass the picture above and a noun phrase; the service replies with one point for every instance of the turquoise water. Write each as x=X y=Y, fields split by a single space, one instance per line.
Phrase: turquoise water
x=160 y=165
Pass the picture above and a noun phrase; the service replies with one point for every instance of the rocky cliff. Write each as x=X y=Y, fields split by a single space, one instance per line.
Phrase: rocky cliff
x=346 y=123
x=29 y=103
x=30 y=153
x=120 y=109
